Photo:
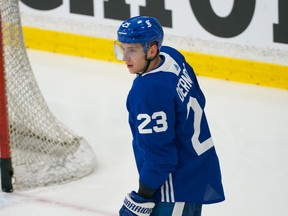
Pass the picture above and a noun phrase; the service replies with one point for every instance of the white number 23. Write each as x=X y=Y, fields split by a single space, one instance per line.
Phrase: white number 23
x=159 y=126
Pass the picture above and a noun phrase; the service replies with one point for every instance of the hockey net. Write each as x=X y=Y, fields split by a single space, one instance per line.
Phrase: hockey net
x=38 y=150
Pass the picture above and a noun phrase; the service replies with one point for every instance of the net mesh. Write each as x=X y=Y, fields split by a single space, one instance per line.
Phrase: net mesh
x=43 y=150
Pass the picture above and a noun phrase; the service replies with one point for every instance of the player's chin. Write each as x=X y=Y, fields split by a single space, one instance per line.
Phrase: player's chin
x=132 y=72
x=131 y=69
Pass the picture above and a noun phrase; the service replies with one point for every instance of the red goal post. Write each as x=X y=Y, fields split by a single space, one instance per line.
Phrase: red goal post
x=6 y=167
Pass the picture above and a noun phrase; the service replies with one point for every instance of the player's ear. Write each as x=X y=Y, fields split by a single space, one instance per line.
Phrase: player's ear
x=153 y=49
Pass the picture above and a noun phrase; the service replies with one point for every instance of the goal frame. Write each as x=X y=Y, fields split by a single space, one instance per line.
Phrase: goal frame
x=36 y=149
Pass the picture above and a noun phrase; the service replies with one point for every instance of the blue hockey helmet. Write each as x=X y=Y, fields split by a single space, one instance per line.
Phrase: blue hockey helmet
x=141 y=29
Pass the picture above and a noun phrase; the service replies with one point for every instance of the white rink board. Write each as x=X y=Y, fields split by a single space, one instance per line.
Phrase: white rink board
x=256 y=42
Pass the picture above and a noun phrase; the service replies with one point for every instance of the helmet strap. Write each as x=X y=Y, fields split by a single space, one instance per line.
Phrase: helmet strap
x=149 y=62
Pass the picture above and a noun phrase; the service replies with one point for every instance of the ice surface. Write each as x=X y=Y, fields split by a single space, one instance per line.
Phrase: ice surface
x=248 y=124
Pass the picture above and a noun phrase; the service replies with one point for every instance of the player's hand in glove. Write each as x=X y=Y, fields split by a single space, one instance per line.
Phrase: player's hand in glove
x=136 y=205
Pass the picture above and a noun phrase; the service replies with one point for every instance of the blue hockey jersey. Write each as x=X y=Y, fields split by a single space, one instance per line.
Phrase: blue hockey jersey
x=173 y=148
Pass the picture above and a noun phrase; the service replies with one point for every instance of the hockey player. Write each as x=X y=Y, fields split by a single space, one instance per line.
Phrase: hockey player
x=174 y=152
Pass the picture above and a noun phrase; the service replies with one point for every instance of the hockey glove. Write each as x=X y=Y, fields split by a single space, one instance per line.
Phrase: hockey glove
x=136 y=205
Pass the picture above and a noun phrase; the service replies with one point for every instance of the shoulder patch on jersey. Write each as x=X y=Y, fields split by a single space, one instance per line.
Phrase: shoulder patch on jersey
x=176 y=67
